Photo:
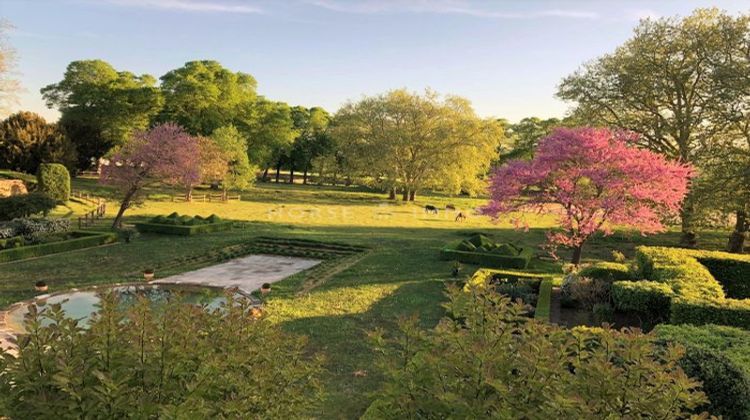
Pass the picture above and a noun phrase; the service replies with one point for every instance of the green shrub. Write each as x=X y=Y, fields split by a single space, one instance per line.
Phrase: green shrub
x=647 y=298
x=486 y=255
x=480 y=241
x=466 y=246
x=719 y=357
x=733 y=312
x=9 y=243
x=213 y=219
x=19 y=206
x=607 y=271
x=543 y=303
x=733 y=274
x=174 y=215
x=34 y=228
x=80 y=240
x=54 y=180
x=183 y=230
x=505 y=249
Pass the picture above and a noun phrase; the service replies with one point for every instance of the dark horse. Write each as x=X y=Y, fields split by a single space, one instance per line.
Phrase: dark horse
x=430 y=209
x=460 y=217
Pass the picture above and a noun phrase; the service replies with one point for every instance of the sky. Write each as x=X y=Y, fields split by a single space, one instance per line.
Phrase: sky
x=507 y=57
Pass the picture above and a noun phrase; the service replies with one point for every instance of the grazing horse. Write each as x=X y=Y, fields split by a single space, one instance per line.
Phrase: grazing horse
x=450 y=207
x=430 y=209
x=460 y=217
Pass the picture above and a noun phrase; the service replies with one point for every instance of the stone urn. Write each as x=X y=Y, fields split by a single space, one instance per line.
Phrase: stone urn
x=41 y=286
x=148 y=274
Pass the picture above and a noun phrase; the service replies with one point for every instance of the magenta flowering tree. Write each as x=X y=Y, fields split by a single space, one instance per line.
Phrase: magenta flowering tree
x=593 y=179
x=165 y=153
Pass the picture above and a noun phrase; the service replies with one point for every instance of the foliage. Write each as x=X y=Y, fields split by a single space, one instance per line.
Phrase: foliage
x=31 y=228
x=213 y=160
x=593 y=179
x=181 y=362
x=524 y=136
x=269 y=130
x=589 y=292
x=414 y=141
x=720 y=358
x=79 y=240
x=239 y=172
x=17 y=206
x=101 y=107
x=203 y=96
x=650 y=299
x=26 y=140
x=457 y=370
x=607 y=271
x=312 y=139
x=174 y=224
x=164 y=153
x=53 y=179
x=497 y=257
x=636 y=86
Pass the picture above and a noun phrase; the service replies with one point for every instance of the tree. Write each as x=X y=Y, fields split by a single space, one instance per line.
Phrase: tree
x=312 y=138
x=660 y=84
x=239 y=172
x=165 y=153
x=27 y=140
x=203 y=96
x=593 y=179
x=9 y=85
x=413 y=141
x=176 y=361
x=213 y=161
x=525 y=135
x=487 y=359
x=101 y=107
x=269 y=130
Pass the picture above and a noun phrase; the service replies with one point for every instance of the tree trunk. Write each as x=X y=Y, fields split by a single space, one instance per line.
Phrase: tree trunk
x=392 y=193
x=405 y=195
x=278 y=171
x=117 y=223
x=335 y=176
x=576 y=260
x=689 y=238
x=737 y=239
x=265 y=175
x=291 y=175
x=412 y=195
x=304 y=176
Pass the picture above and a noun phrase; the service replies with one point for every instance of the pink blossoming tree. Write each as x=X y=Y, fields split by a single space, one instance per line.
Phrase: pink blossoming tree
x=593 y=179
x=165 y=153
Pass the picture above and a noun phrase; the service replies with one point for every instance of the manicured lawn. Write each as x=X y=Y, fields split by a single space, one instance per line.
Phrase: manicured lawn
x=401 y=275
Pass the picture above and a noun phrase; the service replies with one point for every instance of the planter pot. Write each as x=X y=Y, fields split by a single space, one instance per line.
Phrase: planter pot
x=148 y=276
x=455 y=271
x=41 y=288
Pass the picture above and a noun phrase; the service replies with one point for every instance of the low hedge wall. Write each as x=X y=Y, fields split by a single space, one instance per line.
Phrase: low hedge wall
x=544 y=302
x=608 y=271
x=85 y=239
x=679 y=284
x=182 y=230
x=486 y=259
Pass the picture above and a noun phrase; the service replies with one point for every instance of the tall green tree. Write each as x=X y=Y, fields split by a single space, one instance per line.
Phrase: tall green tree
x=240 y=172
x=101 y=107
x=270 y=132
x=312 y=139
x=412 y=141
x=27 y=140
x=203 y=96
x=524 y=136
x=661 y=84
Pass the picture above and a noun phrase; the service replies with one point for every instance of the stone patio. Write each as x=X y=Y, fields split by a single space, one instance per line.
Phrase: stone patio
x=247 y=273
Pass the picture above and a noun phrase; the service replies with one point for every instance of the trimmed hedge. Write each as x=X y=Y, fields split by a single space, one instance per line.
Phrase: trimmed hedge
x=607 y=271
x=499 y=256
x=54 y=180
x=647 y=298
x=185 y=230
x=697 y=297
x=544 y=302
x=82 y=240
x=719 y=357
x=19 y=206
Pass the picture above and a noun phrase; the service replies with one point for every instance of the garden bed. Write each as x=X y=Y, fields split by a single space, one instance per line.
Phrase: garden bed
x=75 y=240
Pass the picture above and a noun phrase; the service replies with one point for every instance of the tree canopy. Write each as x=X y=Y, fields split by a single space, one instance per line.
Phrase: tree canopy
x=27 y=140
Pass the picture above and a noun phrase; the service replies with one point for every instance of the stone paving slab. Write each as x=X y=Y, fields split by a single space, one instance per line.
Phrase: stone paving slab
x=246 y=273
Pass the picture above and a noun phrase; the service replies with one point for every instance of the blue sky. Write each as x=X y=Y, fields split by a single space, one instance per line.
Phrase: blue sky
x=507 y=57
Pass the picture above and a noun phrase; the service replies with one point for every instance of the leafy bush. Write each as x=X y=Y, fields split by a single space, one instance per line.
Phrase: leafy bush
x=489 y=361
x=54 y=180
x=14 y=242
x=589 y=292
x=650 y=299
x=33 y=229
x=18 y=206
x=179 y=362
x=733 y=274
x=183 y=230
x=607 y=271
x=719 y=357
x=481 y=250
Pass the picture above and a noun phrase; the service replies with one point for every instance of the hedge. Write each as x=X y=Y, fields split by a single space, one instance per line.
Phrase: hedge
x=487 y=259
x=18 y=206
x=544 y=301
x=54 y=180
x=83 y=240
x=719 y=357
x=647 y=298
x=697 y=297
x=608 y=271
x=182 y=230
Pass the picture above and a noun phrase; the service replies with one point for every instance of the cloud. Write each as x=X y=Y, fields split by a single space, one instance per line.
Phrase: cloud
x=205 y=6
x=452 y=7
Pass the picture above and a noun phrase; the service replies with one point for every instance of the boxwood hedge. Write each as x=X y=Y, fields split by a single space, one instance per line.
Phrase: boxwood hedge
x=184 y=230
x=81 y=240
x=54 y=180
x=688 y=290
x=482 y=251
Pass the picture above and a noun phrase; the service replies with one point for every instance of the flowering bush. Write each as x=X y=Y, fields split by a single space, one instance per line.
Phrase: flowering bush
x=33 y=229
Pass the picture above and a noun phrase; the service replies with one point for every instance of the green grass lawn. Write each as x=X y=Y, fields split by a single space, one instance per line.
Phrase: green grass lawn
x=401 y=275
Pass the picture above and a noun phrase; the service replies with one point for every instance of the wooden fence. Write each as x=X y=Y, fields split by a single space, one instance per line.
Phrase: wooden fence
x=206 y=198
x=86 y=197
x=96 y=214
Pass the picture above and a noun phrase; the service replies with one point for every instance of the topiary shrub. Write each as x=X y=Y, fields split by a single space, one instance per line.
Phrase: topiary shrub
x=607 y=271
x=19 y=206
x=54 y=180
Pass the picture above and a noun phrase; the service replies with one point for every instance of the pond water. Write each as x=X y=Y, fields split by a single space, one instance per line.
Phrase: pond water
x=81 y=304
